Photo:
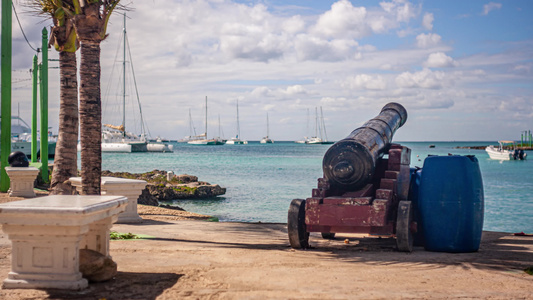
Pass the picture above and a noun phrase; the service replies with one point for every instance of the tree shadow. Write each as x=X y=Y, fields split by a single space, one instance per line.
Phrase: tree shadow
x=498 y=250
x=125 y=285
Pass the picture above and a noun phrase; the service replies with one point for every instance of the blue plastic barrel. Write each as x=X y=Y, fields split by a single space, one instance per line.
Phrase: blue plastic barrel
x=451 y=203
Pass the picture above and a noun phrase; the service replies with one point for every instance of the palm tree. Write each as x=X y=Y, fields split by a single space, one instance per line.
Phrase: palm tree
x=91 y=25
x=63 y=37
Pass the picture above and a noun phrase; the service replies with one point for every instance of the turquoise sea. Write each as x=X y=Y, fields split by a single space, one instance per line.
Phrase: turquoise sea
x=262 y=179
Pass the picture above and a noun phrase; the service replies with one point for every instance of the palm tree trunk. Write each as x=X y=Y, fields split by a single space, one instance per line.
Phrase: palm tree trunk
x=66 y=159
x=90 y=117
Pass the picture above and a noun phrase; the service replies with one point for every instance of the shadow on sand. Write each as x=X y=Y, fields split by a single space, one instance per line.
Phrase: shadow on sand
x=125 y=285
x=498 y=250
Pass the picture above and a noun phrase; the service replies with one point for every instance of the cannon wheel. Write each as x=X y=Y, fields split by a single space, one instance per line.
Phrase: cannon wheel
x=298 y=235
x=404 y=234
x=328 y=235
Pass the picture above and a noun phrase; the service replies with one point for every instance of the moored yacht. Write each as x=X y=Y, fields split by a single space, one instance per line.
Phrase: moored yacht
x=500 y=153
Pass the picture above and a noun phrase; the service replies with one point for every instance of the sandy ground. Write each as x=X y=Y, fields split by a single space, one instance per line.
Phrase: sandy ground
x=185 y=257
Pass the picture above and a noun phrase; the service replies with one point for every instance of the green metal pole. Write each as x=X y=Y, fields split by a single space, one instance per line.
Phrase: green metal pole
x=35 y=77
x=44 y=107
x=6 y=52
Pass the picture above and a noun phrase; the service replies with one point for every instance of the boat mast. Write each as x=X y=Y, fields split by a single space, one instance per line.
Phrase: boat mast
x=191 y=125
x=238 y=127
x=307 y=128
x=219 y=128
x=124 y=80
x=268 y=133
x=206 y=117
x=316 y=122
x=323 y=125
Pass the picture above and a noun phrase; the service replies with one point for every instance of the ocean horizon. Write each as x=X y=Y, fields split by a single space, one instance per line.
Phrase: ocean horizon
x=262 y=179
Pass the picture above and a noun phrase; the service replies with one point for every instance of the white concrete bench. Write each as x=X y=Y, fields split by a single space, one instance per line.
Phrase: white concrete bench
x=47 y=233
x=130 y=188
x=21 y=181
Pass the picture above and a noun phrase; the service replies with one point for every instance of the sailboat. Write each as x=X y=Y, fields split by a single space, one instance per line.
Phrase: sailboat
x=202 y=138
x=192 y=132
x=321 y=136
x=115 y=138
x=266 y=139
x=236 y=140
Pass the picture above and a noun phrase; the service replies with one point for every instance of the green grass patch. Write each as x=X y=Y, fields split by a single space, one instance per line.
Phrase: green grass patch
x=184 y=189
x=212 y=219
x=529 y=270
x=122 y=236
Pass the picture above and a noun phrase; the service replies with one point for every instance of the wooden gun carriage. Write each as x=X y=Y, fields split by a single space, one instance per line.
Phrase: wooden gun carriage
x=365 y=187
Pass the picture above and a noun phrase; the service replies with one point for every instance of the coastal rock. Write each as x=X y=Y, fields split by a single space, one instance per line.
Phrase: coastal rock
x=96 y=267
x=164 y=186
x=185 y=178
x=208 y=191
x=147 y=198
x=190 y=191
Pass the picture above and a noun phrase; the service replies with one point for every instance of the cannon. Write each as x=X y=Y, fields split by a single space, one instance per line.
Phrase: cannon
x=364 y=189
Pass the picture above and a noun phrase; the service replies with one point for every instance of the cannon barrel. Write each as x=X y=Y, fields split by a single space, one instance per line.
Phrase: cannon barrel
x=350 y=163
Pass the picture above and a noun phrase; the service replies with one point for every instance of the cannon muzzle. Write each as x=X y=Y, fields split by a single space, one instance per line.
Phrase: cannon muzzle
x=350 y=163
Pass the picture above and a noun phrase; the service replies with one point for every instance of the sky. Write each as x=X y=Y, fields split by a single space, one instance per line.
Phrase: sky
x=462 y=69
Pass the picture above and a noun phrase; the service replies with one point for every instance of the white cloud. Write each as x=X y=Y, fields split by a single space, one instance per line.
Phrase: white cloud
x=427 y=21
x=308 y=47
x=439 y=60
x=428 y=40
x=286 y=61
x=343 y=20
x=426 y=79
x=490 y=7
x=295 y=89
x=365 y=81
x=262 y=91
x=519 y=106
x=334 y=103
x=403 y=10
x=294 y=24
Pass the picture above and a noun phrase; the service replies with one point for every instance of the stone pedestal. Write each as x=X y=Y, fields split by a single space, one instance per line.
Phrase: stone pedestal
x=21 y=181
x=47 y=234
x=129 y=188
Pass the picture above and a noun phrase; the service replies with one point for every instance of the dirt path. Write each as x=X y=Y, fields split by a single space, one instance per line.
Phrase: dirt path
x=192 y=259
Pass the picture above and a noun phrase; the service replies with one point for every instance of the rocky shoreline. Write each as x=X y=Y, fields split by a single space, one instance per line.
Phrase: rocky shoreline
x=472 y=147
x=165 y=186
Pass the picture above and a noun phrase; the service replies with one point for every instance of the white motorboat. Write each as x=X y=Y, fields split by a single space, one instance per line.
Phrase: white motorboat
x=159 y=145
x=21 y=138
x=236 y=141
x=500 y=153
